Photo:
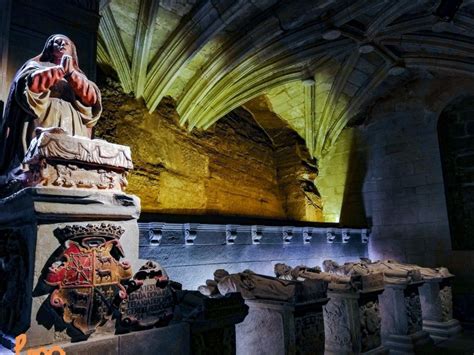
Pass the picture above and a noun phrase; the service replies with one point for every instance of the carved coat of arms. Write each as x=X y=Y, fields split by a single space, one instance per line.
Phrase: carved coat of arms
x=89 y=275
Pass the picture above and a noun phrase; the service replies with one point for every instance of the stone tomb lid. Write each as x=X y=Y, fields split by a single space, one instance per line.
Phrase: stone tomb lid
x=56 y=144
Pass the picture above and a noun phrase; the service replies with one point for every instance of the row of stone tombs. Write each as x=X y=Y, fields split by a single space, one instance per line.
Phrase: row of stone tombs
x=87 y=287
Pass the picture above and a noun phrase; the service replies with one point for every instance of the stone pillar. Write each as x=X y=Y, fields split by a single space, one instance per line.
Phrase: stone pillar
x=275 y=327
x=437 y=309
x=352 y=322
x=400 y=307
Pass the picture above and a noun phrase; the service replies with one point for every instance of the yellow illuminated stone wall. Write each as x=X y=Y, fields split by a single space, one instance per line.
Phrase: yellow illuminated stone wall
x=229 y=169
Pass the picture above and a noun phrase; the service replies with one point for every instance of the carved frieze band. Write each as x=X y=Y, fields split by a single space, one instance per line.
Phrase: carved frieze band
x=153 y=234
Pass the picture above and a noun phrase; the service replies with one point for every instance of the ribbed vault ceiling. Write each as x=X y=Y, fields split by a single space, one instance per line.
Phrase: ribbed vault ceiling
x=319 y=62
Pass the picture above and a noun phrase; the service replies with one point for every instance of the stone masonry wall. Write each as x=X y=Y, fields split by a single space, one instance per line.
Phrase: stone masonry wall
x=401 y=187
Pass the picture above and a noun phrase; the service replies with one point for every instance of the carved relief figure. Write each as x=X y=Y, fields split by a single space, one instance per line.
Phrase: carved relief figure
x=370 y=325
x=446 y=297
x=49 y=90
x=413 y=311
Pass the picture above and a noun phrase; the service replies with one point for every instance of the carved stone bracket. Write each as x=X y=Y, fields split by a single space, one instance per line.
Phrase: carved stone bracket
x=330 y=236
x=155 y=235
x=256 y=234
x=230 y=234
x=287 y=234
x=307 y=235
x=364 y=236
x=56 y=159
x=190 y=233
x=345 y=236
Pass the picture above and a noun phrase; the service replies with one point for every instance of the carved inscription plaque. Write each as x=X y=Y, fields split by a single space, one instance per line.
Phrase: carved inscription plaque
x=150 y=300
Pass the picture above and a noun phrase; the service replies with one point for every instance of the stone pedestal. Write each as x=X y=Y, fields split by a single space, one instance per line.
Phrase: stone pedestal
x=274 y=327
x=212 y=321
x=437 y=309
x=68 y=241
x=29 y=225
x=352 y=318
x=400 y=309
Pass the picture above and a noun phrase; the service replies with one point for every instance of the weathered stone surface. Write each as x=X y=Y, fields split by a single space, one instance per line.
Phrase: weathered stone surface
x=401 y=318
x=35 y=214
x=234 y=168
x=282 y=328
x=173 y=339
x=56 y=144
x=58 y=160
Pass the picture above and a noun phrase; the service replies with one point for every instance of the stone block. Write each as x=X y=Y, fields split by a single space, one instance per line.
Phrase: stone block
x=352 y=322
x=281 y=328
x=173 y=339
x=402 y=318
x=104 y=346
x=437 y=309
x=39 y=225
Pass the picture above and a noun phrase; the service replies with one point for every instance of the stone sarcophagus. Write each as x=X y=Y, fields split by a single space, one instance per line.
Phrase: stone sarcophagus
x=437 y=305
x=352 y=314
x=285 y=316
x=352 y=317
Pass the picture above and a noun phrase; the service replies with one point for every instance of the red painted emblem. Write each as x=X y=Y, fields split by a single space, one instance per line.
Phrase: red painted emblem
x=89 y=276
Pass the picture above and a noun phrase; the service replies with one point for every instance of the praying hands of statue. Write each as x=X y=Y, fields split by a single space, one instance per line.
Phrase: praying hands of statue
x=43 y=79
x=79 y=82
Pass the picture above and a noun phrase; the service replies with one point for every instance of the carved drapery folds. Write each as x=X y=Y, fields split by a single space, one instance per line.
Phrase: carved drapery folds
x=56 y=159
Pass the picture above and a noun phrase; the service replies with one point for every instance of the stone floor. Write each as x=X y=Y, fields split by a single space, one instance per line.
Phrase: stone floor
x=462 y=344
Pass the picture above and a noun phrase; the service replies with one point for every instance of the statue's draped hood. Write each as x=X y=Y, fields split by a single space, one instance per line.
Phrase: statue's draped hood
x=16 y=123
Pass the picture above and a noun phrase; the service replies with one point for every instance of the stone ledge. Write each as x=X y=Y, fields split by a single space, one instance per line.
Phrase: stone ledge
x=173 y=339
x=34 y=203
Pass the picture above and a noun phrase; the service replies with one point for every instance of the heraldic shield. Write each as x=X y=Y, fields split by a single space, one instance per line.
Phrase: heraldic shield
x=89 y=275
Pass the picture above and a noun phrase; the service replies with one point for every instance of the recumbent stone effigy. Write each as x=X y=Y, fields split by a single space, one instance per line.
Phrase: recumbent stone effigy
x=352 y=320
x=285 y=316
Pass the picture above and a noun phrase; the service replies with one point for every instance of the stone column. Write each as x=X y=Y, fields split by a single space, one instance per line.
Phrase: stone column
x=352 y=321
x=401 y=318
x=275 y=327
x=437 y=309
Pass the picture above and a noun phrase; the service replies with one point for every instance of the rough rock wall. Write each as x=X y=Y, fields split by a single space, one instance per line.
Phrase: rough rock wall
x=229 y=169
x=296 y=170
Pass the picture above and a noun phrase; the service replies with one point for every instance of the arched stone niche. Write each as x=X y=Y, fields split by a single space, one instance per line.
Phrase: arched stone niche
x=456 y=143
